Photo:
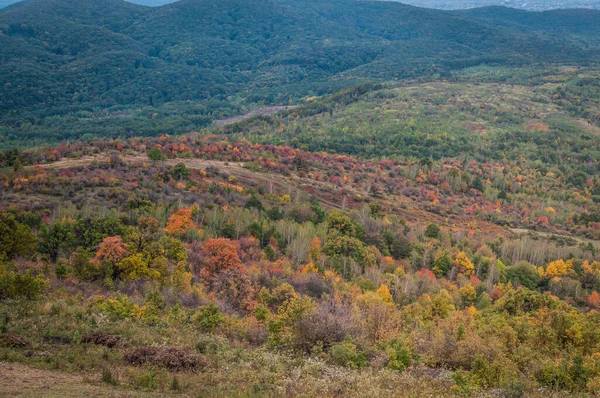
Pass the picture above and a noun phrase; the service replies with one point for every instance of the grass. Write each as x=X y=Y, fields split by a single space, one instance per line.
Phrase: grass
x=464 y=118
x=235 y=369
x=18 y=380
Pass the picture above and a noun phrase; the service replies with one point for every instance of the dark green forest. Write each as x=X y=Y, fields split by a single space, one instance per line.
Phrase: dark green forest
x=112 y=68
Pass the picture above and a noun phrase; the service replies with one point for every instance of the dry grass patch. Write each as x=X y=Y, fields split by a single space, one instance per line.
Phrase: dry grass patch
x=105 y=339
x=13 y=341
x=172 y=358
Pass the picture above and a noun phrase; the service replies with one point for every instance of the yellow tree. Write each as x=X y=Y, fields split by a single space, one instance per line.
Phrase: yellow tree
x=375 y=313
x=384 y=293
x=467 y=295
x=463 y=264
x=310 y=268
x=135 y=267
x=441 y=304
x=558 y=268
x=181 y=278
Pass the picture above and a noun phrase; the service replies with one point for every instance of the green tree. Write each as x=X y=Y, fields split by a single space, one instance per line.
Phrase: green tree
x=155 y=154
x=89 y=232
x=341 y=223
x=16 y=239
x=432 y=231
x=442 y=263
x=400 y=357
x=347 y=354
x=254 y=203
x=180 y=172
x=146 y=231
x=484 y=301
x=17 y=165
x=82 y=266
x=56 y=238
x=477 y=184
x=136 y=267
x=14 y=285
x=523 y=274
x=344 y=246
x=320 y=214
x=208 y=318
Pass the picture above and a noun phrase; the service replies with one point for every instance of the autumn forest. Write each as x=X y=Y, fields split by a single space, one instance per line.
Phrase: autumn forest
x=424 y=230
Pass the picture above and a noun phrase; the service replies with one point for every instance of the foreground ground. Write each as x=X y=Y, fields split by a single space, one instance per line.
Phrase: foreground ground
x=18 y=380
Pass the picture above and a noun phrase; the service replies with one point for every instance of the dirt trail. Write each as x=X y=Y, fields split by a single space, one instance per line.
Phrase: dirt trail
x=547 y=235
x=65 y=163
x=265 y=111
x=17 y=380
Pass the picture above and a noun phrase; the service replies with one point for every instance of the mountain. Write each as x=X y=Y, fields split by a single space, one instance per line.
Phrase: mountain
x=580 y=22
x=372 y=199
x=151 y=3
x=533 y=5
x=6 y=3
x=539 y=5
x=64 y=57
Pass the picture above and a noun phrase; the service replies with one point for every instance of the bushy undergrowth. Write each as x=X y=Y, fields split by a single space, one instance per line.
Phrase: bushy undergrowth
x=15 y=285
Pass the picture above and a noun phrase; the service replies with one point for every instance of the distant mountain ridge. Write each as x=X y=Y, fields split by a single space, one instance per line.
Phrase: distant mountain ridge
x=151 y=3
x=532 y=5
x=62 y=56
x=535 y=5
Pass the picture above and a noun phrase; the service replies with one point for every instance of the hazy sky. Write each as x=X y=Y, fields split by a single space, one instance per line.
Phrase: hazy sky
x=4 y=3
x=447 y=4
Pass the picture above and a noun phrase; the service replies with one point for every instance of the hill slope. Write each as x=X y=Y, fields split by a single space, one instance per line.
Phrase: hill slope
x=222 y=266
x=60 y=57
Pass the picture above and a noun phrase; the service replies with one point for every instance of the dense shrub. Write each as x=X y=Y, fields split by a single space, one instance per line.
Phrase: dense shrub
x=13 y=340
x=208 y=318
x=322 y=327
x=347 y=354
x=14 y=285
x=105 y=339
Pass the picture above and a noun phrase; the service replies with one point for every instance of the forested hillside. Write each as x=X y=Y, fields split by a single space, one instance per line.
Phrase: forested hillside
x=484 y=116
x=439 y=236
x=533 y=5
x=208 y=266
x=298 y=198
x=79 y=63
